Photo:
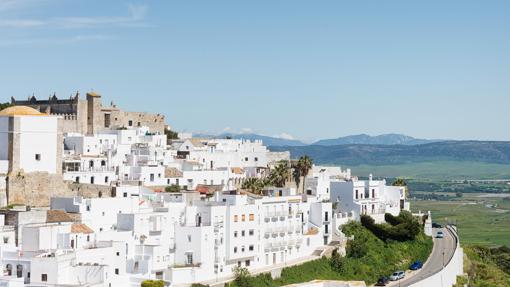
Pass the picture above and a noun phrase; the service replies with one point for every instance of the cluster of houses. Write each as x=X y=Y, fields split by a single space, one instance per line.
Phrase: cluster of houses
x=135 y=227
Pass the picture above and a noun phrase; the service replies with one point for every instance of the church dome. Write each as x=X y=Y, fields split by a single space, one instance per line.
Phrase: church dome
x=20 y=111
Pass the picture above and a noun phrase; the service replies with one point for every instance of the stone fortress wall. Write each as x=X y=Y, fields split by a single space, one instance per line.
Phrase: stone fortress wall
x=89 y=116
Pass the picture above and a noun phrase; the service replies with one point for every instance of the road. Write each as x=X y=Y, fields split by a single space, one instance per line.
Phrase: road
x=442 y=252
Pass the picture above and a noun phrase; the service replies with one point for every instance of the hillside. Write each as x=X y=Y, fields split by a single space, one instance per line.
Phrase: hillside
x=354 y=155
x=385 y=139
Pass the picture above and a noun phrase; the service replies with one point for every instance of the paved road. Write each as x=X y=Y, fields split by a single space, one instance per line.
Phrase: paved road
x=442 y=252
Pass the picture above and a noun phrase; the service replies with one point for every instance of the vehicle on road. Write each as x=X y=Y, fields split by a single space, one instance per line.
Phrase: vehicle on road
x=436 y=225
x=397 y=275
x=439 y=234
x=383 y=281
x=416 y=265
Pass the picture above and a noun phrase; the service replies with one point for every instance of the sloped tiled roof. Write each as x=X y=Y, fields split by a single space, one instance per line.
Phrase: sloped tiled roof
x=81 y=228
x=57 y=216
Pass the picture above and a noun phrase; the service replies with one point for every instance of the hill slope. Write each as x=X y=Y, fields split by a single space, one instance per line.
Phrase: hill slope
x=385 y=139
x=353 y=155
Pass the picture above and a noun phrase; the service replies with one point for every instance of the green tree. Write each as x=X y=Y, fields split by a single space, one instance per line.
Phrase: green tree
x=172 y=188
x=153 y=283
x=171 y=135
x=4 y=105
x=254 y=185
x=242 y=277
x=303 y=166
x=279 y=175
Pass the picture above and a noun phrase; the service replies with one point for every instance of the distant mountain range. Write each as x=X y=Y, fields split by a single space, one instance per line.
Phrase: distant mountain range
x=385 y=139
x=358 y=154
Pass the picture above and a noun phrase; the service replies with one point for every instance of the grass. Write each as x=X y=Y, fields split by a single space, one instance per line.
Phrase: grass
x=477 y=223
x=482 y=270
x=437 y=170
x=380 y=258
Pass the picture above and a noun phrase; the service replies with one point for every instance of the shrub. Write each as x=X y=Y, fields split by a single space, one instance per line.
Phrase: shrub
x=172 y=188
x=153 y=283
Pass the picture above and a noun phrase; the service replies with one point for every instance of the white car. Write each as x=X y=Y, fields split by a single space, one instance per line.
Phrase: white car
x=397 y=275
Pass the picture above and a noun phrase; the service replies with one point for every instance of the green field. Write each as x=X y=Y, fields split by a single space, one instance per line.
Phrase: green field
x=481 y=220
x=437 y=170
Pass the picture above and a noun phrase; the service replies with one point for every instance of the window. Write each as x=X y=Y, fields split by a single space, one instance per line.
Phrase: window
x=37 y=156
x=235 y=233
x=107 y=120
x=251 y=248
x=247 y=263
x=235 y=218
x=88 y=239
x=235 y=249
x=77 y=179
x=117 y=271
x=44 y=277
x=139 y=124
x=91 y=180
x=243 y=217
x=242 y=233
x=105 y=179
x=189 y=238
x=130 y=123
x=252 y=217
x=256 y=159
x=251 y=232
x=242 y=248
x=152 y=177
x=245 y=159
x=357 y=195
x=189 y=258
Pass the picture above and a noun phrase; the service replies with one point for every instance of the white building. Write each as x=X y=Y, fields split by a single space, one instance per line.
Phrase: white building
x=29 y=141
x=372 y=197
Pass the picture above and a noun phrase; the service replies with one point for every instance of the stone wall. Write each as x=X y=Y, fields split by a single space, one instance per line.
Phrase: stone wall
x=36 y=188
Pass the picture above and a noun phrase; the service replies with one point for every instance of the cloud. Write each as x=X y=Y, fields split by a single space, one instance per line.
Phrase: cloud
x=135 y=17
x=246 y=131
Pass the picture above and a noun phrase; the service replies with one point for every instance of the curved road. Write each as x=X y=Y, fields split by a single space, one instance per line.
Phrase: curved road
x=442 y=252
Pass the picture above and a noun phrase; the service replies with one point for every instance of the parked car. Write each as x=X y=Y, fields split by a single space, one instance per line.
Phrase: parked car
x=439 y=234
x=416 y=265
x=436 y=225
x=383 y=281
x=397 y=275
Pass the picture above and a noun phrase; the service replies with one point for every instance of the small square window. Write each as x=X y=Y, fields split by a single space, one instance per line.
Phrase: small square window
x=251 y=248
x=44 y=277
x=37 y=156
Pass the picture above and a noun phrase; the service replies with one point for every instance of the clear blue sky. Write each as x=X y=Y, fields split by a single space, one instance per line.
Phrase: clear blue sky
x=306 y=69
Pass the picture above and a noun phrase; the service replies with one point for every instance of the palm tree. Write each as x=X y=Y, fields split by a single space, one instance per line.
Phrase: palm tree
x=280 y=174
x=303 y=166
x=254 y=185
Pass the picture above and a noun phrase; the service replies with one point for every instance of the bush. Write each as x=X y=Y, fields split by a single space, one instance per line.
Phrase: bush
x=172 y=188
x=198 y=285
x=403 y=227
x=153 y=283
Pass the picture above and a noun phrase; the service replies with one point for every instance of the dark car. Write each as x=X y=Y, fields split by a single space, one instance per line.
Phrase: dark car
x=436 y=225
x=383 y=281
x=416 y=265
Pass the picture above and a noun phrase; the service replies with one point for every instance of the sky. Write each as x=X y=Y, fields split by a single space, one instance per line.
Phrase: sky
x=293 y=69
